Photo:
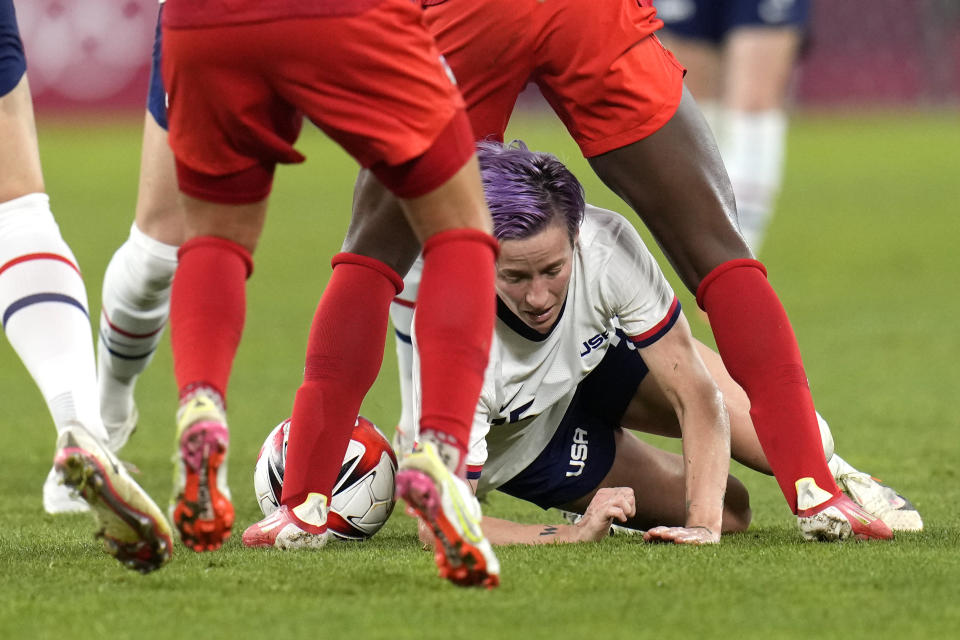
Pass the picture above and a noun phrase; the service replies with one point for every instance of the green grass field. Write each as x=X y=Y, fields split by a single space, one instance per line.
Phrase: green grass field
x=863 y=253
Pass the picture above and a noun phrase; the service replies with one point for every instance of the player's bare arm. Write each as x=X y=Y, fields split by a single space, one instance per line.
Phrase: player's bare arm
x=609 y=506
x=680 y=372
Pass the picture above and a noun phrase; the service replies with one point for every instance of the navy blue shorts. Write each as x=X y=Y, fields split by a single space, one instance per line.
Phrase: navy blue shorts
x=581 y=452
x=13 y=64
x=712 y=19
x=156 y=95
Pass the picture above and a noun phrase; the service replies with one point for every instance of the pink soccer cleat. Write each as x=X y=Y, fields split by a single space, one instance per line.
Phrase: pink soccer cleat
x=446 y=504
x=301 y=527
x=827 y=518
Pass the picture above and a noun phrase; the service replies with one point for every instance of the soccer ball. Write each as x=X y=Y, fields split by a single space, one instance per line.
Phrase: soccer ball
x=363 y=496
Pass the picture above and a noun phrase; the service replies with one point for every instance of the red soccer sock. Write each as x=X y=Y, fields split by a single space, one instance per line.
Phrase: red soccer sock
x=344 y=354
x=454 y=326
x=207 y=311
x=759 y=349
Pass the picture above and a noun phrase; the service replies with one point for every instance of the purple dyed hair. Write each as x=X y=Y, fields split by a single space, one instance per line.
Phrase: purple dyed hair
x=527 y=190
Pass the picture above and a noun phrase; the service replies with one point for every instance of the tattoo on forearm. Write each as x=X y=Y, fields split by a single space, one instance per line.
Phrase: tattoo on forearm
x=549 y=530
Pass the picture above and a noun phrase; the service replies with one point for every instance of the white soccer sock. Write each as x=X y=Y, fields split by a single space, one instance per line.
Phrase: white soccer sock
x=136 y=304
x=752 y=146
x=401 y=315
x=43 y=302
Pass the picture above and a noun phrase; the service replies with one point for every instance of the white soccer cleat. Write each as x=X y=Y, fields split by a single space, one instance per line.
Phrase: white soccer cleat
x=828 y=518
x=302 y=527
x=59 y=498
x=132 y=526
x=446 y=504
x=897 y=512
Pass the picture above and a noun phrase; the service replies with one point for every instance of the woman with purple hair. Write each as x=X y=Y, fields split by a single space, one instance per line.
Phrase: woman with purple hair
x=579 y=297
x=589 y=340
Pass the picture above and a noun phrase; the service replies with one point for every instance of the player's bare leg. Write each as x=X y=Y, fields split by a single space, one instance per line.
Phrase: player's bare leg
x=136 y=286
x=44 y=307
x=758 y=66
x=677 y=183
x=741 y=85
x=22 y=190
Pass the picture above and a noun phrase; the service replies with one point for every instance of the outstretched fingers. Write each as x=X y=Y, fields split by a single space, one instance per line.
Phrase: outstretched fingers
x=682 y=535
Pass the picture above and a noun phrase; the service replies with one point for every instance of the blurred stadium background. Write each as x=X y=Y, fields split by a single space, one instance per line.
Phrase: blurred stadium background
x=864 y=250
x=94 y=54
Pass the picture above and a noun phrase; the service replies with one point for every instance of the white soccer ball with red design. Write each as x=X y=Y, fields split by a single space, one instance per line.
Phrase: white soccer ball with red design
x=363 y=496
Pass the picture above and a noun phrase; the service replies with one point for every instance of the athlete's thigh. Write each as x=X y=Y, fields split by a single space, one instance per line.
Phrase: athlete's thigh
x=20 y=171
x=675 y=180
x=488 y=45
x=378 y=228
x=159 y=213
x=650 y=411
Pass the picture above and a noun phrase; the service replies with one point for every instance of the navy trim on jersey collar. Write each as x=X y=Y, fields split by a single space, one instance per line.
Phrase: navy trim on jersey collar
x=519 y=326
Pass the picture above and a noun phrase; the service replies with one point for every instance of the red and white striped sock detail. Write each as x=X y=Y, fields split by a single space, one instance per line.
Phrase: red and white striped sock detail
x=43 y=307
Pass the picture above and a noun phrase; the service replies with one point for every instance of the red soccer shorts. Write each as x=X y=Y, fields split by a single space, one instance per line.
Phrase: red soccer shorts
x=596 y=62
x=373 y=82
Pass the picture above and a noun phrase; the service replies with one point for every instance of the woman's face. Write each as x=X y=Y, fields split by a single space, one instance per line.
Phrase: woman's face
x=533 y=275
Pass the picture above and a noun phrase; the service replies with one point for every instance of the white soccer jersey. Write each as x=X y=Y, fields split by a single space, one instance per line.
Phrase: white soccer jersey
x=531 y=378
